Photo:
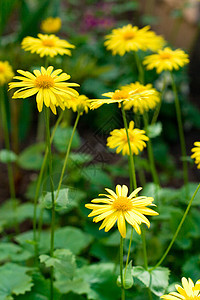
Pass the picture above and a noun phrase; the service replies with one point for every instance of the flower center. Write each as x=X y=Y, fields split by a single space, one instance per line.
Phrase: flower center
x=48 y=43
x=119 y=95
x=122 y=203
x=128 y=35
x=44 y=81
x=165 y=55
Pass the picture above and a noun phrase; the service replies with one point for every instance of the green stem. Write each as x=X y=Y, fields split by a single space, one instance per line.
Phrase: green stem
x=140 y=68
x=157 y=110
x=180 y=130
x=52 y=196
x=38 y=186
x=9 y=165
x=121 y=269
x=177 y=230
x=144 y=247
x=150 y=154
x=67 y=155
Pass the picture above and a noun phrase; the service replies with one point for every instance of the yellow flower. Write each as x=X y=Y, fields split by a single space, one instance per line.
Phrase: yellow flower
x=145 y=97
x=196 y=154
x=166 y=60
x=189 y=291
x=115 y=97
x=120 y=207
x=46 y=45
x=6 y=72
x=51 y=25
x=48 y=85
x=129 y=38
x=80 y=104
x=118 y=139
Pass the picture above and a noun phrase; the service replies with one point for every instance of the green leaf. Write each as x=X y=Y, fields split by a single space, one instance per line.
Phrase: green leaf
x=96 y=176
x=67 y=237
x=67 y=200
x=186 y=195
x=40 y=290
x=7 y=156
x=62 y=137
x=14 y=281
x=154 y=130
x=23 y=212
x=98 y=281
x=10 y=251
x=63 y=262
x=191 y=267
x=156 y=280
x=32 y=157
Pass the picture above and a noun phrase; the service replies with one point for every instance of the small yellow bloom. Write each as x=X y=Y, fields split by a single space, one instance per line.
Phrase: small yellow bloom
x=80 y=104
x=189 y=291
x=144 y=97
x=118 y=139
x=6 y=72
x=196 y=154
x=115 y=97
x=129 y=38
x=119 y=207
x=46 y=45
x=51 y=25
x=166 y=60
x=48 y=85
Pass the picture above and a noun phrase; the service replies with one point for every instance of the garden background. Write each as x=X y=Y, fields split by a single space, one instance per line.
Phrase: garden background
x=86 y=264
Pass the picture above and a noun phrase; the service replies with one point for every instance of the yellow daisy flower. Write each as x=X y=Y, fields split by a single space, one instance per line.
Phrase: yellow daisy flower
x=115 y=97
x=80 y=104
x=196 y=154
x=189 y=291
x=46 y=45
x=51 y=25
x=118 y=207
x=145 y=97
x=48 y=85
x=6 y=72
x=118 y=139
x=129 y=38
x=166 y=60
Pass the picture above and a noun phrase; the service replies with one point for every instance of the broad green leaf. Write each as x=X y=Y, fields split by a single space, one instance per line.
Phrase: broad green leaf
x=13 y=252
x=98 y=281
x=156 y=280
x=40 y=290
x=7 y=156
x=75 y=159
x=22 y=212
x=67 y=237
x=62 y=137
x=63 y=261
x=96 y=176
x=186 y=194
x=67 y=199
x=191 y=268
x=14 y=281
x=32 y=157
x=154 y=130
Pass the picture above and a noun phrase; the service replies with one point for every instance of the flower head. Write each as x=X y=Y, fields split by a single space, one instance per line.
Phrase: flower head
x=51 y=25
x=46 y=45
x=80 y=104
x=129 y=38
x=196 y=154
x=119 y=207
x=6 y=72
x=118 y=139
x=144 y=97
x=166 y=60
x=189 y=291
x=115 y=97
x=48 y=85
